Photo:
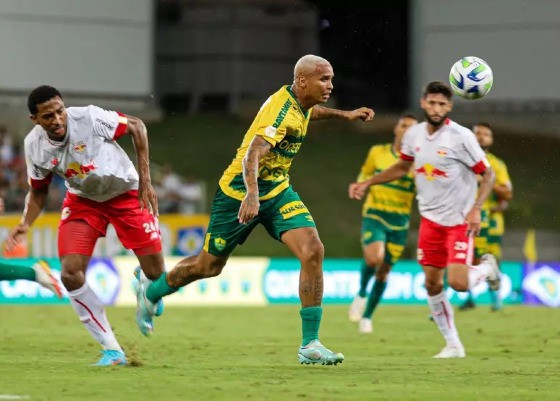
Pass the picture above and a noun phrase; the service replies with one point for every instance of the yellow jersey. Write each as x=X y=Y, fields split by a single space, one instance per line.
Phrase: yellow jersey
x=391 y=202
x=282 y=122
x=502 y=178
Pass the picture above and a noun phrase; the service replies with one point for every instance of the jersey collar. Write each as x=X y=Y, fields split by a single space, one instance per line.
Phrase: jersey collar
x=293 y=95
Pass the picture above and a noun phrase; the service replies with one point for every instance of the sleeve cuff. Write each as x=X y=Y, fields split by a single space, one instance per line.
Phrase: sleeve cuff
x=121 y=128
x=480 y=167
x=406 y=157
x=38 y=184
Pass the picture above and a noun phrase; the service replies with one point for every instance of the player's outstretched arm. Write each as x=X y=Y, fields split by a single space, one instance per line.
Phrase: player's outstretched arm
x=357 y=190
x=321 y=113
x=34 y=203
x=249 y=208
x=137 y=130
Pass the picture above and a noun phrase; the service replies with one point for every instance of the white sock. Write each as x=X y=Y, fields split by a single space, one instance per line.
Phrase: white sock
x=478 y=273
x=442 y=312
x=91 y=312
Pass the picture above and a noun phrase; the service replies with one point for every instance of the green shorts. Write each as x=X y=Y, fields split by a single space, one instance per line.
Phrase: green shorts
x=282 y=213
x=395 y=240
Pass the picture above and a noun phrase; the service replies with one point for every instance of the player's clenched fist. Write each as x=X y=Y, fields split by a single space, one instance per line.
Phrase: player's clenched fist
x=363 y=113
x=357 y=190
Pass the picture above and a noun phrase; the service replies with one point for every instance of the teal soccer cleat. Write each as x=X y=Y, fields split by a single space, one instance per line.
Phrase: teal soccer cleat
x=315 y=352
x=145 y=310
x=111 y=357
x=141 y=277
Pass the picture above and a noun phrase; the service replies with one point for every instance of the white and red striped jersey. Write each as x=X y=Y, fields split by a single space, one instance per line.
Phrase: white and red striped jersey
x=93 y=165
x=445 y=166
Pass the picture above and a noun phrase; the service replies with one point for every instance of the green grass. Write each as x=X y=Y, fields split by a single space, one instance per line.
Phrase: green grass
x=330 y=158
x=250 y=353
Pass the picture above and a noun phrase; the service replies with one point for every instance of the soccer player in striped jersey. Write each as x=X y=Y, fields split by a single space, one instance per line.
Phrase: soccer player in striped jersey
x=385 y=220
x=255 y=189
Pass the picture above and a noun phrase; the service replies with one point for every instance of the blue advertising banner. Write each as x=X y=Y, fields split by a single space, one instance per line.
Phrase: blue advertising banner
x=541 y=284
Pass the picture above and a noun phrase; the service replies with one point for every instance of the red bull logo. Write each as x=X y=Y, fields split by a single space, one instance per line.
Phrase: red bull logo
x=79 y=147
x=431 y=172
x=79 y=170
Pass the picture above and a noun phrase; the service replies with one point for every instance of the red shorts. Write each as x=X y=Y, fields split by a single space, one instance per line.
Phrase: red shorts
x=137 y=229
x=440 y=246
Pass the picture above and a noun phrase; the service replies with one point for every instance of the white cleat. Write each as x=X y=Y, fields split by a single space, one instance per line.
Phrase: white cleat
x=451 y=351
x=365 y=326
x=44 y=276
x=493 y=278
x=357 y=308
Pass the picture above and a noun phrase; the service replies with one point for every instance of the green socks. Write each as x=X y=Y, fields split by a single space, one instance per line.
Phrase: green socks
x=374 y=298
x=159 y=288
x=310 y=322
x=365 y=275
x=16 y=272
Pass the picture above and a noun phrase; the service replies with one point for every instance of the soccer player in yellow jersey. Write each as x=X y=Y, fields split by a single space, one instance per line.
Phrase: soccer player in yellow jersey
x=255 y=189
x=490 y=239
x=385 y=218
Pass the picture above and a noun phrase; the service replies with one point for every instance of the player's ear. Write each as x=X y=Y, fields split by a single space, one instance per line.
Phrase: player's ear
x=33 y=118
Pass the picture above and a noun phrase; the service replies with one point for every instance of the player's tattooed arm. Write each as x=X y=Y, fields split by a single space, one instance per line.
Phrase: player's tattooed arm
x=321 y=113
x=34 y=203
x=146 y=193
x=249 y=208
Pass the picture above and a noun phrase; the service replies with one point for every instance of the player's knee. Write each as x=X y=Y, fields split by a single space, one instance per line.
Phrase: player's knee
x=433 y=287
x=313 y=252
x=373 y=260
x=72 y=279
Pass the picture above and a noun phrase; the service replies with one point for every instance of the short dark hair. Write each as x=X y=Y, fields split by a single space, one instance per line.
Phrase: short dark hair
x=438 y=87
x=39 y=95
x=482 y=124
x=408 y=115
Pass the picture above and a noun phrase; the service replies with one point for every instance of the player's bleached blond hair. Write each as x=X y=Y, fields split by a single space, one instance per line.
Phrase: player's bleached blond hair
x=307 y=64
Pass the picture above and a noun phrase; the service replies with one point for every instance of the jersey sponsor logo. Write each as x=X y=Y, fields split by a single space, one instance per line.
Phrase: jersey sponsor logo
x=79 y=170
x=79 y=147
x=270 y=131
x=441 y=152
x=65 y=213
x=104 y=123
x=282 y=114
x=275 y=172
x=431 y=172
x=220 y=243
x=293 y=209
x=289 y=146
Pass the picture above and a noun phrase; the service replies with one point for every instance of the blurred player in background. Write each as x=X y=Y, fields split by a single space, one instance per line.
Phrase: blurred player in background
x=385 y=221
x=446 y=159
x=39 y=271
x=79 y=144
x=490 y=239
x=255 y=189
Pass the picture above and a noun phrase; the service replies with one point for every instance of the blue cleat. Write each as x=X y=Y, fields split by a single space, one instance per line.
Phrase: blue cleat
x=111 y=357
x=145 y=310
x=138 y=273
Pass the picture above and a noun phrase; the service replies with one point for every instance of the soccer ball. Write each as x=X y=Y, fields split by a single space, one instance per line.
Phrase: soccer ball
x=471 y=78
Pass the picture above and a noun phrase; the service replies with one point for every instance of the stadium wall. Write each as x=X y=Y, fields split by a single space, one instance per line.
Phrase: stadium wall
x=264 y=281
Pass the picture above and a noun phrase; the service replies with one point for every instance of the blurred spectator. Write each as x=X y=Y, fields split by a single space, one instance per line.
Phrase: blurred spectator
x=6 y=147
x=175 y=194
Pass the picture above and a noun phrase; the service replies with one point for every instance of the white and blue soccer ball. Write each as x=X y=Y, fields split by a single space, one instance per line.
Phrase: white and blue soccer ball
x=471 y=78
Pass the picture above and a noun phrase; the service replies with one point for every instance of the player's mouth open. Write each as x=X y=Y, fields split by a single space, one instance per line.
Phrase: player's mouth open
x=59 y=131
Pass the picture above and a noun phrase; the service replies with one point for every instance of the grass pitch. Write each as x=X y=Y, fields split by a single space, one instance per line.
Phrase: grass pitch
x=250 y=354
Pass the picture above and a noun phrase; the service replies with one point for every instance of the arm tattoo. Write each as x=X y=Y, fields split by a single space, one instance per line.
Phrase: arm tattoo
x=258 y=148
